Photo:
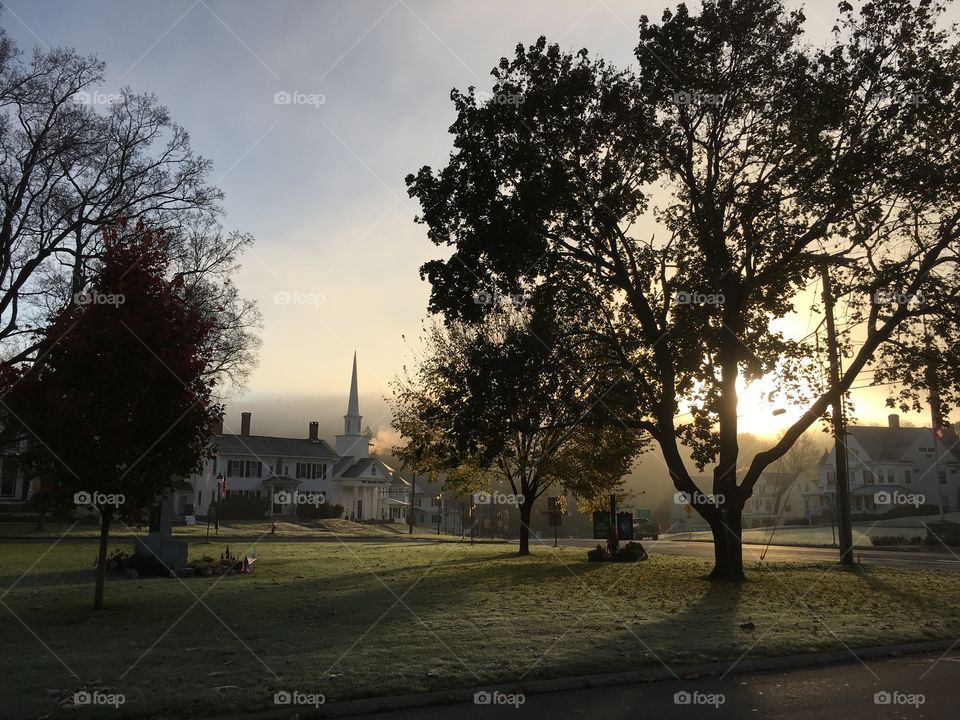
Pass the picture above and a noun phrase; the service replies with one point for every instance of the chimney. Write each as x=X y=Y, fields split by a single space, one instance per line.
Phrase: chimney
x=894 y=421
x=245 y=424
x=314 y=431
x=218 y=425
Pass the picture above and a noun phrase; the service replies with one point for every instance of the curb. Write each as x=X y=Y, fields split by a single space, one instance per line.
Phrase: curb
x=585 y=682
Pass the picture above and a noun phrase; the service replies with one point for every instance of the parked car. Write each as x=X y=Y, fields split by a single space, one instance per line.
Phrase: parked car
x=646 y=528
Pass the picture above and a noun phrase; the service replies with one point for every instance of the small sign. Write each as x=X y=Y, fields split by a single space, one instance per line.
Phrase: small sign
x=191 y=519
x=601 y=524
x=940 y=432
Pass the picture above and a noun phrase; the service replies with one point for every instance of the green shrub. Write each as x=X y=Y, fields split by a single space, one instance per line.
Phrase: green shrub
x=244 y=507
x=322 y=511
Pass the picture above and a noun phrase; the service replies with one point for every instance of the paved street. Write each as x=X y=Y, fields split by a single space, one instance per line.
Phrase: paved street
x=917 y=686
x=788 y=553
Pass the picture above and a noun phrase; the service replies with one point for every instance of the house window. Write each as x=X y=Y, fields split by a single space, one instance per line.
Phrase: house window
x=908 y=476
x=418 y=503
x=891 y=476
x=311 y=471
x=8 y=476
x=943 y=477
x=254 y=468
x=868 y=477
x=235 y=468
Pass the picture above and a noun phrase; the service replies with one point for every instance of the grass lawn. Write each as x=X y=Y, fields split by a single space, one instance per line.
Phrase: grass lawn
x=325 y=618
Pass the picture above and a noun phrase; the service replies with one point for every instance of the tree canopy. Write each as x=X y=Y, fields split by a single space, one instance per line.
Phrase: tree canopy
x=697 y=199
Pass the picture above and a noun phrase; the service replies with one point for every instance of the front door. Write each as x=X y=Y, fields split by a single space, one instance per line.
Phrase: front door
x=359 y=509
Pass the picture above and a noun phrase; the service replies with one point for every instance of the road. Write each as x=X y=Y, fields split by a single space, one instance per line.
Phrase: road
x=790 y=553
x=922 y=686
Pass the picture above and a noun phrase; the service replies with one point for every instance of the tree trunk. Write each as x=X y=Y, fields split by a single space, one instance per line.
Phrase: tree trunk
x=728 y=544
x=526 y=508
x=102 y=560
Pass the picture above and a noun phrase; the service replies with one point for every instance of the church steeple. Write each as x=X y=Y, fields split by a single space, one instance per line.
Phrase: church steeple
x=351 y=421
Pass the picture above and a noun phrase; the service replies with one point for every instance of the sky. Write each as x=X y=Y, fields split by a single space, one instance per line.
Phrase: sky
x=319 y=181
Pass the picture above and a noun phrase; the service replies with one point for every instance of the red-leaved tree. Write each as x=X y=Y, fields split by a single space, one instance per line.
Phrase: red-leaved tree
x=118 y=408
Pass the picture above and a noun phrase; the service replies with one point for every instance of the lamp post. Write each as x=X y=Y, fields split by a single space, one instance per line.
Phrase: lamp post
x=439 y=511
x=221 y=491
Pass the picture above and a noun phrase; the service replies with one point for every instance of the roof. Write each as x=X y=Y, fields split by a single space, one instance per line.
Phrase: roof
x=358 y=467
x=262 y=446
x=887 y=443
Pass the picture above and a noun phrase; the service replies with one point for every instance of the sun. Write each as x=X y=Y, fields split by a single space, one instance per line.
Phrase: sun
x=757 y=414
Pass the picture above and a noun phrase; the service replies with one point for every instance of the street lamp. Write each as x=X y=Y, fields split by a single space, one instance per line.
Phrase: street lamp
x=439 y=499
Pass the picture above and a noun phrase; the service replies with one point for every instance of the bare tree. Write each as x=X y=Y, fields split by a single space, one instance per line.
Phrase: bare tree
x=74 y=161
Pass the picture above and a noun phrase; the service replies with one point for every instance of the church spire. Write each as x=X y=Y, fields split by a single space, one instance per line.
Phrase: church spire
x=351 y=421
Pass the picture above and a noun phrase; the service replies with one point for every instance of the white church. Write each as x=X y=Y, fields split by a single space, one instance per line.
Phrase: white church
x=291 y=470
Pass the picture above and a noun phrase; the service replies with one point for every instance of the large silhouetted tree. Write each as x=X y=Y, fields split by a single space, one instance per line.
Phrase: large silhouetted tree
x=759 y=160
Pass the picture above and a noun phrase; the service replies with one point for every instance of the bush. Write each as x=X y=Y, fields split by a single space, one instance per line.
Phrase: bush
x=598 y=554
x=886 y=540
x=322 y=511
x=943 y=533
x=244 y=507
x=797 y=521
x=631 y=552
x=900 y=511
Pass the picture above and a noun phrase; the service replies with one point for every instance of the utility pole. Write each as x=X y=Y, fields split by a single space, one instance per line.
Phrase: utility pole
x=839 y=425
x=413 y=493
x=936 y=419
